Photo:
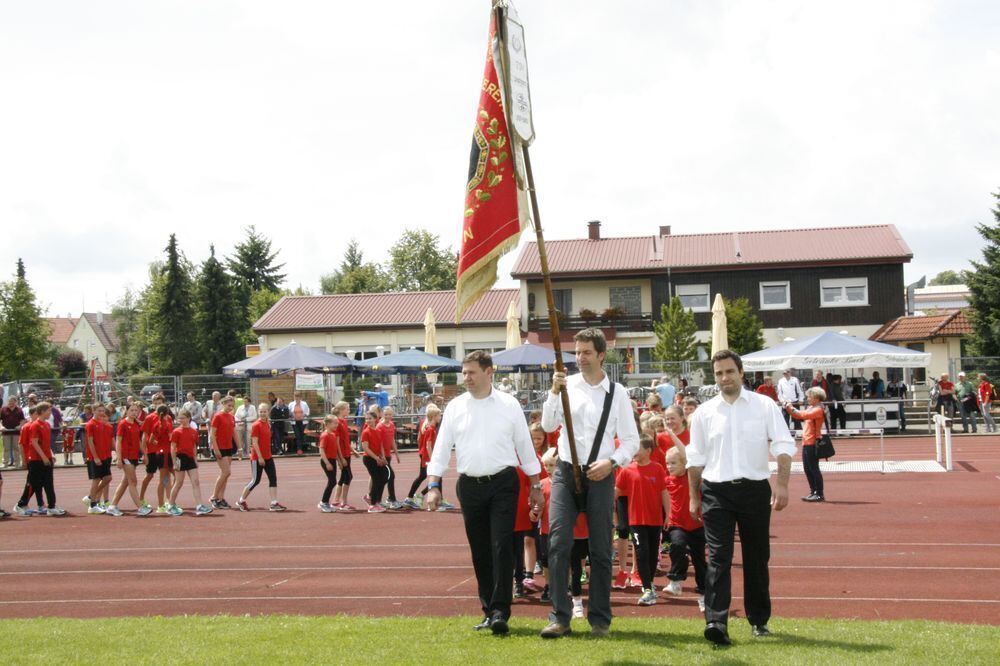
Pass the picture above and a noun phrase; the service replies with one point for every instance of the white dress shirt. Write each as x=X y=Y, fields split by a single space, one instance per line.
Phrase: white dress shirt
x=301 y=404
x=790 y=390
x=246 y=415
x=730 y=441
x=587 y=403
x=195 y=409
x=488 y=435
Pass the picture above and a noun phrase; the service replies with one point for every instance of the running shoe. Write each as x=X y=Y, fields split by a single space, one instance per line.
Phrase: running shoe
x=395 y=506
x=113 y=511
x=635 y=580
x=446 y=506
x=175 y=510
x=367 y=499
x=538 y=568
x=145 y=505
x=4 y=514
x=85 y=500
x=701 y=603
x=56 y=511
x=202 y=510
x=163 y=508
x=24 y=511
x=144 y=510
x=41 y=511
x=621 y=581
x=325 y=507
x=648 y=598
x=375 y=508
x=242 y=504
x=216 y=504
x=530 y=585
x=104 y=505
x=223 y=504
x=410 y=503
x=673 y=587
x=583 y=577
x=346 y=507
x=95 y=511
x=276 y=506
x=546 y=596
x=578 y=607
x=518 y=590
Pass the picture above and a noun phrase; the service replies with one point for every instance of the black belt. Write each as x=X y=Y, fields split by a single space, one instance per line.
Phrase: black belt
x=735 y=482
x=489 y=477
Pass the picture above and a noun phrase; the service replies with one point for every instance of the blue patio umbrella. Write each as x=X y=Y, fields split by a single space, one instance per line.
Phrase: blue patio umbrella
x=530 y=358
x=411 y=361
x=287 y=359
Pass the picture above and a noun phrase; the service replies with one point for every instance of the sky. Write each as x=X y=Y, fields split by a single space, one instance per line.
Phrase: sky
x=318 y=122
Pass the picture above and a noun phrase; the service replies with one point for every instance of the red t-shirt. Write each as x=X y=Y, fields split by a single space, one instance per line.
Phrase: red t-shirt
x=770 y=391
x=553 y=437
x=387 y=432
x=645 y=486
x=186 y=440
x=22 y=438
x=428 y=435
x=344 y=434
x=330 y=443
x=262 y=431
x=373 y=438
x=947 y=386
x=985 y=391
x=680 y=503
x=664 y=442
x=129 y=434
x=103 y=435
x=225 y=427
x=522 y=519
x=163 y=430
x=149 y=428
x=41 y=431
x=580 y=529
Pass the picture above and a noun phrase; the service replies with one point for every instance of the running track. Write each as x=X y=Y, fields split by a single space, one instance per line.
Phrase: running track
x=884 y=546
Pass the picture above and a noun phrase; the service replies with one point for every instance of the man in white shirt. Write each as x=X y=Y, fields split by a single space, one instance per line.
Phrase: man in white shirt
x=587 y=392
x=728 y=471
x=212 y=408
x=195 y=408
x=489 y=434
x=299 y=410
x=789 y=393
x=246 y=414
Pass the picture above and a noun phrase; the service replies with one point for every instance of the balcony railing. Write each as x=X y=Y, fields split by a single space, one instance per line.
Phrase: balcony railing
x=641 y=322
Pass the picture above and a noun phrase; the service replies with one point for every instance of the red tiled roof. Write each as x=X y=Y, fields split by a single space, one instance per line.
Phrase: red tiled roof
x=107 y=330
x=392 y=310
x=62 y=329
x=905 y=329
x=741 y=248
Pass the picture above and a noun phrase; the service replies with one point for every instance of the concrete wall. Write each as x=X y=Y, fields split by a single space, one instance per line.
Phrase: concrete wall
x=591 y=294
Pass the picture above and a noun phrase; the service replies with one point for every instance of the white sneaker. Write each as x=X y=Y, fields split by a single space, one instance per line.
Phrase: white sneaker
x=701 y=603
x=86 y=500
x=57 y=511
x=673 y=587
x=95 y=510
x=113 y=511
x=577 y=607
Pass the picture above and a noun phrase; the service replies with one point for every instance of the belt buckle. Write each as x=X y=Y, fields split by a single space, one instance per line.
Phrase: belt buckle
x=736 y=481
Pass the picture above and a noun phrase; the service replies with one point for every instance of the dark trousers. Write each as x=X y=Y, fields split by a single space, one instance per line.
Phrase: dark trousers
x=600 y=509
x=810 y=465
x=517 y=547
x=646 y=539
x=488 y=510
x=378 y=474
x=390 y=480
x=257 y=470
x=26 y=496
x=40 y=478
x=724 y=506
x=277 y=437
x=331 y=481
x=687 y=547
x=299 y=428
x=581 y=549
x=417 y=481
x=346 y=475
x=838 y=417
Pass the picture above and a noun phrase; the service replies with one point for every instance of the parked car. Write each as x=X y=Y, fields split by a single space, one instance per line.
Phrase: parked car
x=43 y=390
x=147 y=392
x=71 y=394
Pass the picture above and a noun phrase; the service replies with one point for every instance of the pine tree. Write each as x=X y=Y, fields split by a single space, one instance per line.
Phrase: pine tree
x=984 y=290
x=172 y=343
x=745 y=330
x=355 y=275
x=675 y=333
x=218 y=319
x=25 y=350
x=253 y=266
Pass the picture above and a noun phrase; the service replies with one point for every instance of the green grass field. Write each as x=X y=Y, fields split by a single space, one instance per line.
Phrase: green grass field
x=353 y=639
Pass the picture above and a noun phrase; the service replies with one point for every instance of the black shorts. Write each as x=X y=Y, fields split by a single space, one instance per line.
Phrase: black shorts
x=622 y=526
x=157 y=461
x=131 y=461
x=98 y=470
x=187 y=463
x=227 y=453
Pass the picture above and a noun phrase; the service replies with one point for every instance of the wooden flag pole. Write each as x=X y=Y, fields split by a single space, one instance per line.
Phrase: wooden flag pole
x=501 y=12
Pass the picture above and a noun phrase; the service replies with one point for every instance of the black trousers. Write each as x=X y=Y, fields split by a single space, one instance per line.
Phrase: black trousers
x=40 y=478
x=299 y=428
x=331 y=481
x=378 y=474
x=488 y=510
x=390 y=480
x=810 y=465
x=724 y=507
x=277 y=438
x=258 y=470
x=417 y=481
x=580 y=552
x=838 y=417
x=646 y=539
x=687 y=548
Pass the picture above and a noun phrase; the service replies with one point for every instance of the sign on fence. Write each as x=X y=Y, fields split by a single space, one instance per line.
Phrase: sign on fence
x=309 y=382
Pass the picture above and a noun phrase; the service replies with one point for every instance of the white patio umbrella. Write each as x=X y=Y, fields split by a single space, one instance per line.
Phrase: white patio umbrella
x=513 y=326
x=430 y=342
x=720 y=334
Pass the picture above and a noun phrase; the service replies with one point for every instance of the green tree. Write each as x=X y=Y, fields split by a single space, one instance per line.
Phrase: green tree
x=418 y=263
x=260 y=302
x=984 y=290
x=252 y=264
x=355 y=275
x=128 y=313
x=218 y=318
x=745 y=330
x=171 y=331
x=25 y=350
x=675 y=333
x=948 y=277
x=70 y=362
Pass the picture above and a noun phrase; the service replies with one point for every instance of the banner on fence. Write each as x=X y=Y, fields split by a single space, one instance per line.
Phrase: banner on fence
x=309 y=382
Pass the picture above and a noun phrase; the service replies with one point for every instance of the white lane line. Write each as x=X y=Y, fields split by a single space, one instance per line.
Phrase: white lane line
x=942 y=569
x=459 y=584
x=404 y=567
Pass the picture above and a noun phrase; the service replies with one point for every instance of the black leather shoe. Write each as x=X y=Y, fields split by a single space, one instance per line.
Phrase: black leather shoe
x=499 y=626
x=485 y=624
x=717 y=633
x=761 y=631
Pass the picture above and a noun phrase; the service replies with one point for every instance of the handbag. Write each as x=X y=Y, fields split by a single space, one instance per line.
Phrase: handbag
x=580 y=498
x=824 y=445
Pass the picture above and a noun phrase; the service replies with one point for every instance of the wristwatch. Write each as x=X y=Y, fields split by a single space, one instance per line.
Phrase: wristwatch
x=536 y=486
x=614 y=464
x=434 y=485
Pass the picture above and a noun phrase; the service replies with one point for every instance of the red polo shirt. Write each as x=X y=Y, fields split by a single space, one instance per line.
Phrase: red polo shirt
x=645 y=486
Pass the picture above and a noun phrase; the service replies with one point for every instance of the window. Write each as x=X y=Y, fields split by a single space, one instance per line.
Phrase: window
x=627 y=299
x=775 y=296
x=843 y=293
x=563 y=300
x=694 y=297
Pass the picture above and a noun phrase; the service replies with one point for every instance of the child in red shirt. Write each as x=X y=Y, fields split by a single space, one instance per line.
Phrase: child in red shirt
x=261 y=461
x=21 y=508
x=97 y=452
x=374 y=459
x=985 y=391
x=183 y=447
x=388 y=429
x=329 y=457
x=342 y=410
x=221 y=432
x=649 y=501
x=129 y=452
x=68 y=444
x=40 y=460
x=686 y=533
x=425 y=446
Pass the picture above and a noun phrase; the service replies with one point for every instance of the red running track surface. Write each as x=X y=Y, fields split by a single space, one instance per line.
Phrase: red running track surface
x=883 y=546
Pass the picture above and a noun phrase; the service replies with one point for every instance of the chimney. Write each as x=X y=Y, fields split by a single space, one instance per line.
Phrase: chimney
x=594 y=230
x=665 y=230
x=100 y=319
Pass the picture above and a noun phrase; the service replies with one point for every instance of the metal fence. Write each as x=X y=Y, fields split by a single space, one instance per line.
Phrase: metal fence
x=973 y=365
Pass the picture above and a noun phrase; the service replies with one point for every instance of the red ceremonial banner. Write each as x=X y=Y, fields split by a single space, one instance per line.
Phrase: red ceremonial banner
x=493 y=220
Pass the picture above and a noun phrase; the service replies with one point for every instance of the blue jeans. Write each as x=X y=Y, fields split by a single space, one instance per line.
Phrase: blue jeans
x=968 y=416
